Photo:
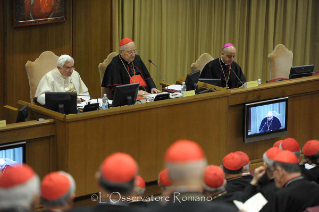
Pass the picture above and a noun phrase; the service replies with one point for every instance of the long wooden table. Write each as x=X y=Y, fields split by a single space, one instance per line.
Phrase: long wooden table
x=214 y=120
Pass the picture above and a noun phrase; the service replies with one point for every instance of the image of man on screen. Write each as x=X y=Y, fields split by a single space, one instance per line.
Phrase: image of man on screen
x=5 y=163
x=269 y=123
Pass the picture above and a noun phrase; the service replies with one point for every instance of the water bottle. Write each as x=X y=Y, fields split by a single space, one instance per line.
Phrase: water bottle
x=105 y=102
x=259 y=81
x=183 y=88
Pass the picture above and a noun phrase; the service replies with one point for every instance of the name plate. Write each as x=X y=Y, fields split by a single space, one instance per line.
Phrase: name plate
x=189 y=93
x=252 y=84
x=3 y=123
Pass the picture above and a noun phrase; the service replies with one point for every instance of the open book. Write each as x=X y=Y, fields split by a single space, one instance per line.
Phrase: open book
x=253 y=204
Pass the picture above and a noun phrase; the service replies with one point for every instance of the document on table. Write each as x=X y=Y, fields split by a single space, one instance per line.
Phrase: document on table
x=92 y=101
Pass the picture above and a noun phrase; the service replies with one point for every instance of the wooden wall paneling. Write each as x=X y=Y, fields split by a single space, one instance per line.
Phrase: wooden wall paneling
x=2 y=50
x=92 y=27
x=37 y=155
x=27 y=43
x=314 y=54
x=303 y=119
x=145 y=134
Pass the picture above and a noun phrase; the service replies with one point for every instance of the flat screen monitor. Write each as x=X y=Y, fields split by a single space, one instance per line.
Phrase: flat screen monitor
x=125 y=94
x=265 y=119
x=191 y=80
x=301 y=71
x=12 y=155
x=216 y=82
x=23 y=114
x=62 y=102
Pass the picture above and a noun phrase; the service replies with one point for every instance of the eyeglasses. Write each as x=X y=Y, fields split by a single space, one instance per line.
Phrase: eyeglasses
x=69 y=68
x=131 y=52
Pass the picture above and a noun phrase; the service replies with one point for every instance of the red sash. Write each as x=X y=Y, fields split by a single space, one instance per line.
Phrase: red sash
x=138 y=79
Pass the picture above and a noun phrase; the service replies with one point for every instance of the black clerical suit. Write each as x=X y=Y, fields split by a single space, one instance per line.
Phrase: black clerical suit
x=216 y=69
x=188 y=203
x=315 y=173
x=267 y=126
x=228 y=198
x=236 y=184
x=116 y=74
x=297 y=195
x=267 y=188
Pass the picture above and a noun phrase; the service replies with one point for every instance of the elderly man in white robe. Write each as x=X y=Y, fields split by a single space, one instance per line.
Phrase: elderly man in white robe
x=62 y=79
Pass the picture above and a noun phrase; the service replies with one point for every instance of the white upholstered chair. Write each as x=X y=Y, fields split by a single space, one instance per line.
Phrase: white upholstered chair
x=102 y=67
x=201 y=62
x=37 y=69
x=280 y=62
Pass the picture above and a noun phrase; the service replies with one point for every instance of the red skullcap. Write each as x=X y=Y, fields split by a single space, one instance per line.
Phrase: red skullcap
x=17 y=175
x=290 y=144
x=311 y=147
x=272 y=152
x=125 y=41
x=139 y=182
x=164 y=179
x=119 y=168
x=244 y=156
x=286 y=156
x=214 y=177
x=55 y=185
x=232 y=161
x=228 y=45
x=184 y=151
x=277 y=143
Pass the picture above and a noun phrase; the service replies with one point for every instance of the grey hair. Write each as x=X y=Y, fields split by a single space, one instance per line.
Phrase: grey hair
x=214 y=190
x=122 y=48
x=246 y=167
x=63 y=59
x=21 y=196
x=267 y=160
x=139 y=191
x=225 y=49
x=64 y=200
x=186 y=171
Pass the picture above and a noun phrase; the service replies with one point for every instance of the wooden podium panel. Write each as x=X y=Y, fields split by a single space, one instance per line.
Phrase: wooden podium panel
x=214 y=120
x=39 y=137
x=143 y=131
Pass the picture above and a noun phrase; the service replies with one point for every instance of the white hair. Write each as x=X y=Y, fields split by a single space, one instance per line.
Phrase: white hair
x=20 y=196
x=122 y=48
x=63 y=59
x=64 y=200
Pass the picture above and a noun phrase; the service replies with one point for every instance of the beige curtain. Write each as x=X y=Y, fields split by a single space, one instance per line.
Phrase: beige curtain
x=174 y=33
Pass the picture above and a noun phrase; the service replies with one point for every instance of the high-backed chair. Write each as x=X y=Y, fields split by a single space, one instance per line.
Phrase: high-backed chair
x=37 y=69
x=280 y=62
x=102 y=67
x=201 y=62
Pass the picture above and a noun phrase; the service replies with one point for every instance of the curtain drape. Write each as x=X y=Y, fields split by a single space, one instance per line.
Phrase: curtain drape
x=174 y=33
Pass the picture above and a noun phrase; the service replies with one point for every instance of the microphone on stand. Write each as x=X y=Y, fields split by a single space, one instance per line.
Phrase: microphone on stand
x=159 y=73
x=236 y=75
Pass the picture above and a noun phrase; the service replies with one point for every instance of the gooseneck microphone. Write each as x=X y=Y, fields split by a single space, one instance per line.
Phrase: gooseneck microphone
x=159 y=72
x=236 y=75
